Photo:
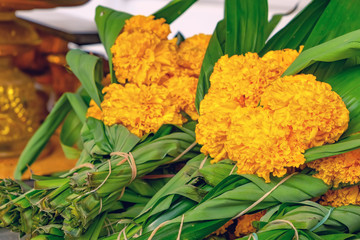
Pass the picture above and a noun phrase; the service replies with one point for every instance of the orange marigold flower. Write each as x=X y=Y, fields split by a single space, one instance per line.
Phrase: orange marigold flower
x=191 y=54
x=182 y=91
x=244 y=223
x=152 y=108
x=94 y=111
x=238 y=81
x=279 y=61
x=298 y=113
x=259 y=144
x=316 y=114
x=341 y=197
x=148 y=24
x=143 y=58
x=106 y=80
x=342 y=168
x=223 y=229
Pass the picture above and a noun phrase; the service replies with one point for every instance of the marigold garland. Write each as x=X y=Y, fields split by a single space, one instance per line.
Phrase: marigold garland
x=342 y=168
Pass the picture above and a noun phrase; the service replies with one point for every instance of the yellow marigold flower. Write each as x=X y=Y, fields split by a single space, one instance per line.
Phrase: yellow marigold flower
x=213 y=124
x=259 y=144
x=148 y=24
x=342 y=168
x=191 y=54
x=341 y=197
x=298 y=113
x=182 y=91
x=316 y=114
x=143 y=58
x=152 y=108
x=238 y=81
x=279 y=61
x=244 y=223
x=94 y=111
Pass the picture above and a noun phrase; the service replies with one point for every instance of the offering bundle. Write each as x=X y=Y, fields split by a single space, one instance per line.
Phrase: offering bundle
x=230 y=136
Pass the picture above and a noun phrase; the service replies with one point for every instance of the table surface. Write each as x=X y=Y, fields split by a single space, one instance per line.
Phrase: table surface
x=8 y=235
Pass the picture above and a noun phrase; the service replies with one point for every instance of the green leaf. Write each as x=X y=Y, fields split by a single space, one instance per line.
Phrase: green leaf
x=102 y=140
x=275 y=19
x=342 y=47
x=338 y=18
x=214 y=51
x=93 y=231
x=109 y=24
x=344 y=145
x=296 y=32
x=246 y=23
x=173 y=10
x=39 y=140
x=347 y=85
x=69 y=135
x=70 y=131
x=88 y=69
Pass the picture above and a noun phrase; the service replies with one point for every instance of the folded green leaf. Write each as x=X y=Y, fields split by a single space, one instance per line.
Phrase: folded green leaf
x=219 y=208
x=69 y=135
x=312 y=219
x=344 y=145
x=296 y=32
x=214 y=51
x=246 y=23
x=343 y=47
x=100 y=139
x=109 y=24
x=89 y=70
x=347 y=85
x=173 y=10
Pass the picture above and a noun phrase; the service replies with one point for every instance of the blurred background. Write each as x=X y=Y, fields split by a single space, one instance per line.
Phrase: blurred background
x=200 y=18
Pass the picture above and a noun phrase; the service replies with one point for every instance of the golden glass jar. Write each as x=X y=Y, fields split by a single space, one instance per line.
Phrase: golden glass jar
x=18 y=109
